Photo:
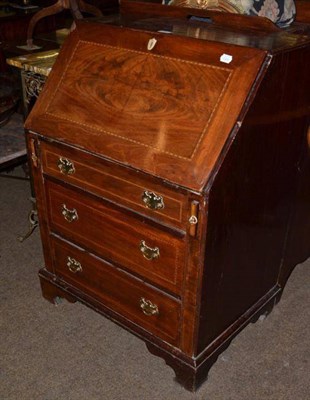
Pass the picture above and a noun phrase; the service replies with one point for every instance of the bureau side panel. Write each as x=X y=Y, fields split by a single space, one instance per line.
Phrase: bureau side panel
x=252 y=198
x=297 y=249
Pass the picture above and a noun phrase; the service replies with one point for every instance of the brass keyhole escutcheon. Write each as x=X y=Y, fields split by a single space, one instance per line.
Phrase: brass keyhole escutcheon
x=153 y=200
x=148 y=307
x=69 y=215
x=65 y=166
x=149 y=253
x=73 y=265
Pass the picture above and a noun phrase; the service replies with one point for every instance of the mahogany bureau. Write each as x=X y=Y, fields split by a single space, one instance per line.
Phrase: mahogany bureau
x=165 y=154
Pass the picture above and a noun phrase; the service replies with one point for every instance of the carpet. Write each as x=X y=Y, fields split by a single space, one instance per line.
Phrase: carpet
x=69 y=352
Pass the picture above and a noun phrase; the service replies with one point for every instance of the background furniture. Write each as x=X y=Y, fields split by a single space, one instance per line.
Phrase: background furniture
x=34 y=68
x=13 y=29
x=76 y=8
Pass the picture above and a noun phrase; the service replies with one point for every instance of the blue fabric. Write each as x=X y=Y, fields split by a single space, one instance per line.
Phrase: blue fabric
x=281 y=12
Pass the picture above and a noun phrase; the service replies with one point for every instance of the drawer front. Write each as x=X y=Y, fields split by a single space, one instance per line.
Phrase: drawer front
x=123 y=294
x=155 y=255
x=122 y=186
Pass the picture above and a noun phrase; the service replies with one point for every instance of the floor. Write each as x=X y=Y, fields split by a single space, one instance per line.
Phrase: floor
x=69 y=352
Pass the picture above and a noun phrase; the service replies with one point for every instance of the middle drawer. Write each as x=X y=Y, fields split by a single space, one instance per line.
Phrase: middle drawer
x=153 y=254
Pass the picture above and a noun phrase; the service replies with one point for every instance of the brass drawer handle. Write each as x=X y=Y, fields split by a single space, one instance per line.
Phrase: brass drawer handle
x=65 y=166
x=148 y=307
x=153 y=200
x=148 y=252
x=74 y=266
x=69 y=215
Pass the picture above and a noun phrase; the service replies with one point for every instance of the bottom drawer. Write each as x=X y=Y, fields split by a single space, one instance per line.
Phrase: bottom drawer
x=142 y=304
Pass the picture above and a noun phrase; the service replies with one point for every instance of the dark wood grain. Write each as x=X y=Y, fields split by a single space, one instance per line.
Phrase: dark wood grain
x=303 y=11
x=297 y=248
x=116 y=236
x=252 y=197
x=161 y=100
x=118 y=291
x=114 y=183
x=152 y=141
x=154 y=8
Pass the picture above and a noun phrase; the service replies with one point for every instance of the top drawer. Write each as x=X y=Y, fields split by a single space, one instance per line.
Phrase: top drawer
x=115 y=183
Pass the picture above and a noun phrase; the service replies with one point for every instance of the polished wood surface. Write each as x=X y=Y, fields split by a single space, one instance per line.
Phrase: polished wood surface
x=154 y=8
x=303 y=11
x=116 y=236
x=298 y=244
x=122 y=186
x=252 y=197
x=118 y=291
x=152 y=131
x=224 y=145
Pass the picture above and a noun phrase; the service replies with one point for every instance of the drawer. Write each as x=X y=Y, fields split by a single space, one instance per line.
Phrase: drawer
x=123 y=186
x=123 y=294
x=155 y=255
